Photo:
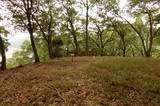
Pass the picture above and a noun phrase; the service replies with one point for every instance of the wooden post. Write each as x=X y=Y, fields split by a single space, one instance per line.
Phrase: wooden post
x=72 y=54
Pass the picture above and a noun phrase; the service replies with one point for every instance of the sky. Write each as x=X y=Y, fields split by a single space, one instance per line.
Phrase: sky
x=16 y=41
x=16 y=38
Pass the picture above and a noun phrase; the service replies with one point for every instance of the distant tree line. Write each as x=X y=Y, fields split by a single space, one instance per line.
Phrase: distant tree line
x=85 y=27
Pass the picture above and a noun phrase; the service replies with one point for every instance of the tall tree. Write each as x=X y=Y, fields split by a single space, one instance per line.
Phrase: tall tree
x=22 y=13
x=101 y=21
x=103 y=33
x=46 y=20
x=146 y=30
x=70 y=18
x=87 y=23
x=120 y=29
x=88 y=4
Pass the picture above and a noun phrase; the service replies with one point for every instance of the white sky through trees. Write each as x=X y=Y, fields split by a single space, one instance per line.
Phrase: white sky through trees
x=16 y=38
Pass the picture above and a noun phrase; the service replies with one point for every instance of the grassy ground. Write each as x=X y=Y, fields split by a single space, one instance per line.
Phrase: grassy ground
x=88 y=81
x=127 y=81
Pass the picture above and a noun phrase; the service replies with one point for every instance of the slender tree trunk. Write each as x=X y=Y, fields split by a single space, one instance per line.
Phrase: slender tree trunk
x=124 y=47
x=28 y=8
x=87 y=22
x=73 y=32
x=147 y=50
x=48 y=39
x=77 y=46
x=30 y=30
x=50 y=44
x=34 y=46
x=50 y=51
x=124 y=51
x=3 y=54
x=102 y=51
x=50 y=47
x=101 y=42
x=151 y=35
x=76 y=43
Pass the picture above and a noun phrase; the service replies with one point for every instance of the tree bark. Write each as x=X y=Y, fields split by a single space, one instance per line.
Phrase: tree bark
x=101 y=42
x=34 y=46
x=28 y=7
x=151 y=35
x=124 y=47
x=3 y=54
x=50 y=44
x=87 y=22
x=50 y=47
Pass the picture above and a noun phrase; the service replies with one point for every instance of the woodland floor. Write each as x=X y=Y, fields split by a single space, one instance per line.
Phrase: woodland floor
x=88 y=81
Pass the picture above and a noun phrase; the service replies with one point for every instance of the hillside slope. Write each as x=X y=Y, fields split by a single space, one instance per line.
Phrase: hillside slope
x=88 y=81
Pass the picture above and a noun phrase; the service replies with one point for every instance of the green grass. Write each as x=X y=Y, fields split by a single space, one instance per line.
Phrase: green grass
x=129 y=81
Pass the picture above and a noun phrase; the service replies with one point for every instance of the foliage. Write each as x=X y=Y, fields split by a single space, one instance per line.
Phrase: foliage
x=25 y=55
x=58 y=43
x=4 y=32
x=62 y=26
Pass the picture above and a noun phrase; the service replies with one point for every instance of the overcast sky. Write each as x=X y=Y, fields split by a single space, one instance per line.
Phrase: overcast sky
x=16 y=38
x=16 y=41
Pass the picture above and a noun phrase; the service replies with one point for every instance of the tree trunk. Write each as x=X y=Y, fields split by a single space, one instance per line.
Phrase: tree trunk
x=140 y=36
x=101 y=42
x=50 y=47
x=76 y=43
x=30 y=30
x=87 y=36
x=124 y=47
x=3 y=54
x=148 y=53
x=33 y=46
x=28 y=8
x=48 y=39
x=102 y=51
x=77 y=47
x=73 y=32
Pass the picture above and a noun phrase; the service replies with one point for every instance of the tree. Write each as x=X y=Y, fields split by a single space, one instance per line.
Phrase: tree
x=58 y=43
x=22 y=13
x=120 y=28
x=101 y=21
x=3 y=31
x=88 y=4
x=103 y=32
x=25 y=54
x=70 y=18
x=147 y=31
x=46 y=20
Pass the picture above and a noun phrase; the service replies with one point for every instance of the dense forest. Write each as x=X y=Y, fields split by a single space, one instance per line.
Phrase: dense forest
x=58 y=28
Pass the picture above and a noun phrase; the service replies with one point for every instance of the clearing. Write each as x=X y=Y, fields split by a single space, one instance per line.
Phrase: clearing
x=88 y=81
